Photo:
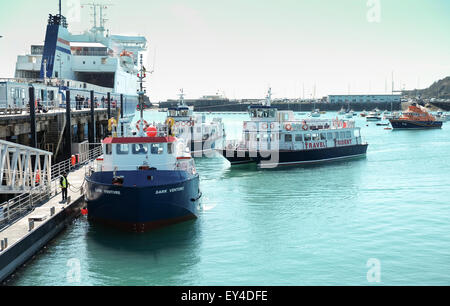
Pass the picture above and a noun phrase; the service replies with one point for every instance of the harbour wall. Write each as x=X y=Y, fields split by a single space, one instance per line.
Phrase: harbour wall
x=296 y=107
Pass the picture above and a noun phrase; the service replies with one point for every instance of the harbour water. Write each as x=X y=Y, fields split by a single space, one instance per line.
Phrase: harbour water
x=314 y=225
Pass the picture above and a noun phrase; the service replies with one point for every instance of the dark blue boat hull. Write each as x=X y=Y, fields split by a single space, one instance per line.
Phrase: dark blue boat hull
x=294 y=157
x=160 y=198
x=410 y=124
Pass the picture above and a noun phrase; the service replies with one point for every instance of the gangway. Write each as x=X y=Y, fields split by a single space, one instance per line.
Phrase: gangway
x=22 y=168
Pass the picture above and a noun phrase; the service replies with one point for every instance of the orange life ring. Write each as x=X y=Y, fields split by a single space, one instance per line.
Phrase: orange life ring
x=137 y=124
x=288 y=127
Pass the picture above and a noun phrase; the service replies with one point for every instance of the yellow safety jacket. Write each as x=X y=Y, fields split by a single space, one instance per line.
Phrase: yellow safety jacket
x=63 y=182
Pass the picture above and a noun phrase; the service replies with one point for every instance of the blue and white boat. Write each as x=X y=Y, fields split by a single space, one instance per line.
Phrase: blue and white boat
x=143 y=180
x=95 y=60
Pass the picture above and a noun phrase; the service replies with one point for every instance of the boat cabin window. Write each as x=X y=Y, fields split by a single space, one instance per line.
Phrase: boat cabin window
x=172 y=113
x=157 y=148
x=308 y=137
x=299 y=137
x=330 y=136
x=139 y=148
x=183 y=113
x=315 y=136
x=323 y=136
x=341 y=135
x=108 y=149
x=170 y=148
x=122 y=149
x=262 y=113
x=348 y=134
x=287 y=138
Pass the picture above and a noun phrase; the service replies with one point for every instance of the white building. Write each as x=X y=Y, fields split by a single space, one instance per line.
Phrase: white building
x=374 y=98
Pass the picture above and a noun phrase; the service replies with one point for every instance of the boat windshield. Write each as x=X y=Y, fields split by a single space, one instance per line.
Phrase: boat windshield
x=262 y=113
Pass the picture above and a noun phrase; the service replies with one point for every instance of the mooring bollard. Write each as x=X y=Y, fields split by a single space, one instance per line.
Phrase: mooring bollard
x=81 y=190
x=6 y=242
x=52 y=211
x=68 y=200
x=2 y=245
x=30 y=224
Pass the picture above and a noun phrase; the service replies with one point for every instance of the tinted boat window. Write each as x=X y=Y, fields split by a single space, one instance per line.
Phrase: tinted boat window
x=323 y=136
x=122 y=149
x=157 y=148
x=307 y=137
x=108 y=149
x=288 y=138
x=139 y=148
x=298 y=138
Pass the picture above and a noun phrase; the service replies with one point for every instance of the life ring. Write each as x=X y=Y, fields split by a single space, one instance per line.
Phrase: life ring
x=288 y=127
x=264 y=126
x=272 y=126
x=305 y=126
x=144 y=122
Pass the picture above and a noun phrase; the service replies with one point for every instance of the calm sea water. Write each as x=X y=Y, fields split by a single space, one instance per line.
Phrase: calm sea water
x=316 y=225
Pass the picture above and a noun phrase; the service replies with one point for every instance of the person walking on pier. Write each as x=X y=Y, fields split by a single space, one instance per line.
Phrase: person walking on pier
x=64 y=184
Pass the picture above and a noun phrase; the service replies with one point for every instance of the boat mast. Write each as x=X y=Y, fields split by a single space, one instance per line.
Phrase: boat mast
x=141 y=75
x=269 y=97
x=181 y=94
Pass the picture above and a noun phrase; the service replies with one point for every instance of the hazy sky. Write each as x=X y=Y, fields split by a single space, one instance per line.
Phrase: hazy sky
x=240 y=47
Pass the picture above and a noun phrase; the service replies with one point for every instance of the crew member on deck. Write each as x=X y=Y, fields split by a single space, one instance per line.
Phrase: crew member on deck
x=64 y=184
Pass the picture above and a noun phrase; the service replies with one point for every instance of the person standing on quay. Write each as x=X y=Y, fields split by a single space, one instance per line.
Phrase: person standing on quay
x=64 y=184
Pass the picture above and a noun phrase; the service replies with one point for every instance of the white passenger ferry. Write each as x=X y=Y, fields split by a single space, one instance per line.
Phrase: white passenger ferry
x=274 y=138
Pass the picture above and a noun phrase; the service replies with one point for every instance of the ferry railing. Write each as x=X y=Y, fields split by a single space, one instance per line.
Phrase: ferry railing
x=13 y=209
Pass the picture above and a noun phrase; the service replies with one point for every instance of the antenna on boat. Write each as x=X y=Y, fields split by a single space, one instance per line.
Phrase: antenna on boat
x=269 y=97
x=60 y=11
x=181 y=94
x=141 y=76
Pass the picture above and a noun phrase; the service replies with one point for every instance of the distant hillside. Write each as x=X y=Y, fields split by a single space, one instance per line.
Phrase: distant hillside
x=439 y=90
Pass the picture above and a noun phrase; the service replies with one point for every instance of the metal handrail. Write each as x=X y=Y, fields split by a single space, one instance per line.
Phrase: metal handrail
x=22 y=204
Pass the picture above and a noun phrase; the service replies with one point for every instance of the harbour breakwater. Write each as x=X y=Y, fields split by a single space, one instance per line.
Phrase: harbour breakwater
x=229 y=106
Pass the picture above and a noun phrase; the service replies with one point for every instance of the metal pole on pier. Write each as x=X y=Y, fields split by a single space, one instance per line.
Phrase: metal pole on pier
x=32 y=117
x=92 y=120
x=109 y=105
x=68 y=129
x=121 y=114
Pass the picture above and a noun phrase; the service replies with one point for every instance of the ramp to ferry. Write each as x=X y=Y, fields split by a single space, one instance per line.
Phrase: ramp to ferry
x=32 y=219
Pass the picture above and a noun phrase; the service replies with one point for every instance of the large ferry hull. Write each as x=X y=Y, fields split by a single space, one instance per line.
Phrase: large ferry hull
x=142 y=208
x=293 y=157
x=410 y=124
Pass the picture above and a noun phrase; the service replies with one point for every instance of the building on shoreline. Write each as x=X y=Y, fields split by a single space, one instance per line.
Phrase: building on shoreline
x=368 y=98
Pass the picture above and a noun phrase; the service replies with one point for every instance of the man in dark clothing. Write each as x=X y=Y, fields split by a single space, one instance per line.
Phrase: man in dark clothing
x=64 y=184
